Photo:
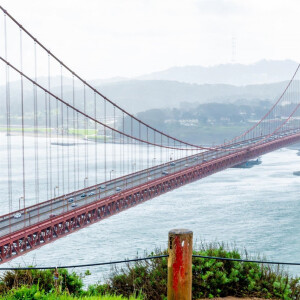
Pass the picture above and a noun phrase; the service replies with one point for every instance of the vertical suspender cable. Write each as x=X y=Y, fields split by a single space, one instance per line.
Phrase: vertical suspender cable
x=120 y=152
x=36 y=145
x=161 y=143
x=57 y=187
x=22 y=117
x=154 y=158
x=85 y=139
x=114 y=144
x=78 y=146
x=74 y=135
x=68 y=149
x=47 y=146
x=148 y=148
x=123 y=141
x=8 y=128
x=96 y=140
x=105 y=158
x=62 y=133
x=50 y=129
x=131 y=146
x=140 y=149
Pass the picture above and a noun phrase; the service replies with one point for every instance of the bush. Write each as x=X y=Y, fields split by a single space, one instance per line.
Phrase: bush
x=148 y=280
x=211 y=278
x=144 y=278
x=70 y=282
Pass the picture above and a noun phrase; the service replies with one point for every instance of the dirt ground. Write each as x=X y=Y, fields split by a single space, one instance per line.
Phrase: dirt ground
x=234 y=298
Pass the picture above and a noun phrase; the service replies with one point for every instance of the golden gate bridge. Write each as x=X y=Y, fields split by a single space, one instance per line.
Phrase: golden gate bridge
x=78 y=157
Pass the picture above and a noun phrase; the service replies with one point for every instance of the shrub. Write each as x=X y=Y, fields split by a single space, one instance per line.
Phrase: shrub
x=148 y=280
x=211 y=278
x=70 y=282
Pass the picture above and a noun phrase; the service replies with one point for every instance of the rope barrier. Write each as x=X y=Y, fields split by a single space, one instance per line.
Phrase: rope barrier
x=147 y=258
x=85 y=265
x=248 y=260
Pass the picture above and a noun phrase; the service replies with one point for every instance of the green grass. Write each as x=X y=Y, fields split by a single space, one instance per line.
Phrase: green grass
x=39 y=296
x=68 y=297
x=94 y=298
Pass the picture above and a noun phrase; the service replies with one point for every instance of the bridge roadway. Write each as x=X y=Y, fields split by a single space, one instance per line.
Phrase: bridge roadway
x=137 y=188
x=43 y=211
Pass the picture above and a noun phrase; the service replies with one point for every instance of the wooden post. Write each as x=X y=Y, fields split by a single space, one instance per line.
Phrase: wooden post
x=180 y=250
x=56 y=277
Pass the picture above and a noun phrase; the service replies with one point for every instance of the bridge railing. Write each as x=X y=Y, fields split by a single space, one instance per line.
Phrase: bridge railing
x=124 y=178
x=202 y=158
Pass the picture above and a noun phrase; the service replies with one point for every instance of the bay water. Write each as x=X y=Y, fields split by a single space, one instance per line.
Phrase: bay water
x=256 y=209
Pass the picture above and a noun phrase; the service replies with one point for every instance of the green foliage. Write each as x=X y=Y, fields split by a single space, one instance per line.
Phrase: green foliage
x=230 y=278
x=24 y=292
x=34 y=293
x=148 y=280
x=211 y=278
x=39 y=285
x=145 y=278
x=70 y=282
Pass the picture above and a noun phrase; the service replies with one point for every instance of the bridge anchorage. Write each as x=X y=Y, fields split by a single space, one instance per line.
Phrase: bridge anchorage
x=74 y=157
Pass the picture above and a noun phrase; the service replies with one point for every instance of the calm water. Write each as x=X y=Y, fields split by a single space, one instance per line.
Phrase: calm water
x=257 y=209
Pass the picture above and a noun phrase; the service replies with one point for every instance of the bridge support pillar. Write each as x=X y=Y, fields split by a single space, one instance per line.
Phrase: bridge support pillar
x=180 y=251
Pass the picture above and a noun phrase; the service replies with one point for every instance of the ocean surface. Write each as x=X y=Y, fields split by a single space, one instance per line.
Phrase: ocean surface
x=256 y=209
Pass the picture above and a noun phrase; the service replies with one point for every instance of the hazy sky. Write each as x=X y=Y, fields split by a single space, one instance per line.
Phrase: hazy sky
x=106 y=38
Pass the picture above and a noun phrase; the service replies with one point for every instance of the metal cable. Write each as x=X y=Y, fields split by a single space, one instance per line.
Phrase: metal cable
x=85 y=115
x=84 y=265
x=148 y=258
x=92 y=88
x=248 y=260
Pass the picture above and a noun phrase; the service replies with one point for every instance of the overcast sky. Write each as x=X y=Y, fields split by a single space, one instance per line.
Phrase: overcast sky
x=107 y=38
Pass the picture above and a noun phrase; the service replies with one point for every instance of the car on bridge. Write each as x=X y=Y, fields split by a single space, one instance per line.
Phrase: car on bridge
x=83 y=195
x=91 y=193
x=165 y=172
x=102 y=187
x=118 y=189
x=71 y=200
x=17 y=215
x=74 y=204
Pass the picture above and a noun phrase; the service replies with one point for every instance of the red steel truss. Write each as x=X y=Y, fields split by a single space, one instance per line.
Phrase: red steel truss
x=37 y=235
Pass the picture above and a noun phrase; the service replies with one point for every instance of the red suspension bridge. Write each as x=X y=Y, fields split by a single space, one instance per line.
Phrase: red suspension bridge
x=71 y=157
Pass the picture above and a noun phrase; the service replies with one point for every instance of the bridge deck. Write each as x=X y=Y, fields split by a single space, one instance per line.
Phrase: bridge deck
x=136 y=188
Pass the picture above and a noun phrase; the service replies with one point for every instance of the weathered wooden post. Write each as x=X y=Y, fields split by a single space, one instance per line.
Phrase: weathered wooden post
x=180 y=250
x=56 y=277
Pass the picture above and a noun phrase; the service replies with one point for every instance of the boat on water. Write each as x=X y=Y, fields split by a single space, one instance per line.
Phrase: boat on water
x=63 y=142
x=296 y=173
x=248 y=164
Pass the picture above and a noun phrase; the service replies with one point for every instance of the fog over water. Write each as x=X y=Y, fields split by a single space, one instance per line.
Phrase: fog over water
x=257 y=209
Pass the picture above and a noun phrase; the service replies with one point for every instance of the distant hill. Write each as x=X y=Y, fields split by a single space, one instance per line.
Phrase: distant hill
x=264 y=71
x=141 y=95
